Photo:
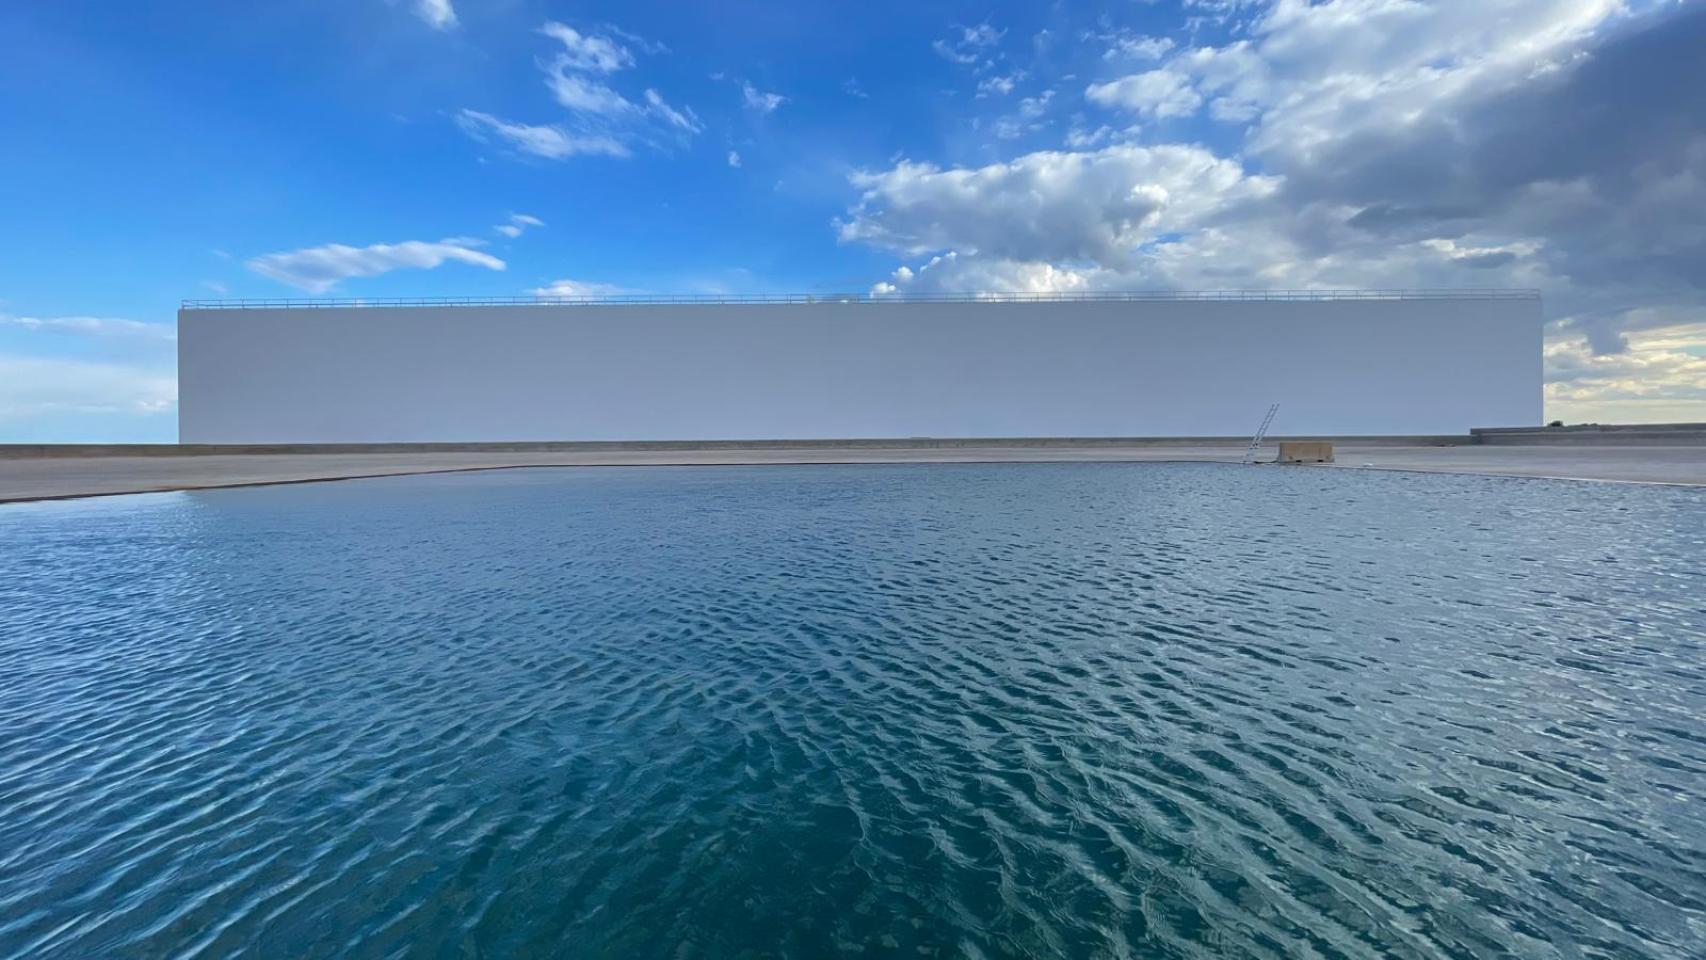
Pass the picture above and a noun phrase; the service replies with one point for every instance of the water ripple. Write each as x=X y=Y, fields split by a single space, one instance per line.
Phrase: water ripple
x=982 y=711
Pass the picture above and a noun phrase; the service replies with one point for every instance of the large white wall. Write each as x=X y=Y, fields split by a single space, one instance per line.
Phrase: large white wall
x=847 y=370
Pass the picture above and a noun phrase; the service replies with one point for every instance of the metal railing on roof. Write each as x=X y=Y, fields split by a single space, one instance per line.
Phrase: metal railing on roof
x=1135 y=296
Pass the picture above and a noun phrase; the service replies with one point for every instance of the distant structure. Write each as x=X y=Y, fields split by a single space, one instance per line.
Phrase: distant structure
x=843 y=367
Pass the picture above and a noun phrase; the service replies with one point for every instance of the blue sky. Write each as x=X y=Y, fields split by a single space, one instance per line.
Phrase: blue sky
x=452 y=147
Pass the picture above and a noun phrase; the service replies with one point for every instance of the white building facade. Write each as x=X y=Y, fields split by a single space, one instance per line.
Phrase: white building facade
x=1339 y=364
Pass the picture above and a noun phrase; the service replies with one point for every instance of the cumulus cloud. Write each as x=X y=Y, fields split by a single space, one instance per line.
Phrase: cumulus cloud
x=518 y=224
x=438 y=14
x=951 y=273
x=1394 y=140
x=1131 y=46
x=1659 y=375
x=1051 y=205
x=1479 y=258
x=1079 y=138
x=1155 y=93
x=319 y=269
x=1570 y=134
x=734 y=159
x=1557 y=144
x=1025 y=119
x=600 y=119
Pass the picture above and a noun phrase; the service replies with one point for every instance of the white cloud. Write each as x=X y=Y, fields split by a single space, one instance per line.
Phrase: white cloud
x=587 y=96
x=318 y=269
x=734 y=159
x=550 y=142
x=949 y=51
x=684 y=121
x=1155 y=93
x=438 y=14
x=576 y=289
x=576 y=77
x=1124 y=44
x=92 y=326
x=591 y=54
x=1321 y=74
x=71 y=365
x=1661 y=375
x=757 y=100
x=969 y=45
x=1027 y=118
x=1140 y=48
x=1050 y=205
x=1558 y=144
x=600 y=119
x=951 y=273
x=1479 y=257
x=998 y=85
x=1079 y=138
x=1129 y=217
x=35 y=386
x=518 y=224
x=1031 y=108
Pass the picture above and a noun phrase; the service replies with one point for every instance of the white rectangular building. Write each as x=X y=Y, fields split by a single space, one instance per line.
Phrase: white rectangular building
x=1339 y=364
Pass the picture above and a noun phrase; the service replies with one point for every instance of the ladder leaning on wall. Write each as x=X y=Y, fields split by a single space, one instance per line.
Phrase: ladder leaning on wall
x=1261 y=431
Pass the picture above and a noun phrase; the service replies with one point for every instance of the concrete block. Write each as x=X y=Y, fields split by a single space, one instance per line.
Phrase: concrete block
x=1305 y=451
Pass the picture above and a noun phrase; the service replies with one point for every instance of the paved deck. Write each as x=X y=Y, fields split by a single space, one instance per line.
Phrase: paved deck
x=57 y=477
x=1680 y=464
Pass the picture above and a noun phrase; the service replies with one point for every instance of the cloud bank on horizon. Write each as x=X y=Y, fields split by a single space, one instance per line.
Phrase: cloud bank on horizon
x=1209 y=144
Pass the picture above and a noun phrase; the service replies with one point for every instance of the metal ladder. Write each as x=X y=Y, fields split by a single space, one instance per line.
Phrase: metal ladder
x=1261 y=431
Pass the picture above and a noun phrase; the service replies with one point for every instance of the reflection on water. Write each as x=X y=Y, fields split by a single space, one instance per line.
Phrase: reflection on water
x=1048 y=710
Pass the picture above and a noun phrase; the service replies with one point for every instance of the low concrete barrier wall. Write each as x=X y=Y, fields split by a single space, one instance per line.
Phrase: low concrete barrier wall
x=33 y=451
x=1596 y=434
x=1305 y=451
x=1599 y=435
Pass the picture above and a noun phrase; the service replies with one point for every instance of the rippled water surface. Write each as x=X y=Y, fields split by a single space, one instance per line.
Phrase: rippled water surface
x=1047 y=710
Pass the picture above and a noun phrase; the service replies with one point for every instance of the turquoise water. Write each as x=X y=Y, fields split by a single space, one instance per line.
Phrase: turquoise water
x=1046 y=710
